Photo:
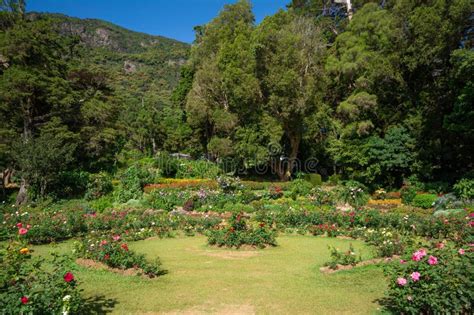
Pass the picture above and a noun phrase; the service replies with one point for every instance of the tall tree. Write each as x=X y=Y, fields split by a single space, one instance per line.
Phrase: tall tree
x=291 y=52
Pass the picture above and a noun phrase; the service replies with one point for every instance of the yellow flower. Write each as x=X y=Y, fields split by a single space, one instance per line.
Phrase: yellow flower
x=24 y=250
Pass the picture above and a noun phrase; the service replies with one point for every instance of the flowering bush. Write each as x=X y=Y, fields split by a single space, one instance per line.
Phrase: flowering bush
x=239 y=233
x=330 y=230
x=387 y=243
x=27 y=287
x=432 y=280
x=354 y=194
x=344 y=258
x=115 y=253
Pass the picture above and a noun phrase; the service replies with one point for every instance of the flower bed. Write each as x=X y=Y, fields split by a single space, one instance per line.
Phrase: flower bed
x=239 y=233
x=113 y=252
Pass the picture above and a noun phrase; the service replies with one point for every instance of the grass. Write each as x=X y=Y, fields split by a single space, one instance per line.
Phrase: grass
x=280 y=280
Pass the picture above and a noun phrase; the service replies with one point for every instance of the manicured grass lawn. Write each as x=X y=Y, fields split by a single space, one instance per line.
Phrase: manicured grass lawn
x=281 y=280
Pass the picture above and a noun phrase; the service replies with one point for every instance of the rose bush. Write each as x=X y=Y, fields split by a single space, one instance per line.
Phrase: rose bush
x=34 y=286
x=432 y=280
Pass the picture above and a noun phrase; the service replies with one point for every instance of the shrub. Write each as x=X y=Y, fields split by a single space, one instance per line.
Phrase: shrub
x=98 y=186
x=28 y=287
x=387 y=242
x=334 y=179
x=448 y=201
x=239 y=233
x=345 y=258
x=314 y=179
x=70 y=184
x=353 y=193
x=321 y=197
x=299 y=187
x=101 y=204
x=432 y=281
x=464 y=189
x=116 y=254
x=424 y=201
x=407 y=193
x=132 y=182
x=197 y=169
x=229 y=183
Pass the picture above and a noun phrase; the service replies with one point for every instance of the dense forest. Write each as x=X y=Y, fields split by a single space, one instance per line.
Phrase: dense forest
x=379 y=95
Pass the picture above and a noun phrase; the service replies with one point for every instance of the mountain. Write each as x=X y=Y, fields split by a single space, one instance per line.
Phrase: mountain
x=137 y=62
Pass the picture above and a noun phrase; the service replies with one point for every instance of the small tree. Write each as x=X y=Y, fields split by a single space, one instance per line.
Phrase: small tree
x=42 y=159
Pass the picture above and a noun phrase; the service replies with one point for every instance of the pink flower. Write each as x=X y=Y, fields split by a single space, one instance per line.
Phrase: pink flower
x=116 y=237
x=461 y=251
x=440 y=245
x=471 y=223
x=22 y=231
x=401 y=281
x=415 y=276
x=19 y=225
x=28 y=226
x=432 y=260
x=418 y=255
x=24 y=300
x=103 y=242
x=471 y=215
x=402 y=261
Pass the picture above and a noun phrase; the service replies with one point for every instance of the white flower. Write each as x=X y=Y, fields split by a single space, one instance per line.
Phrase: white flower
x=66 y=298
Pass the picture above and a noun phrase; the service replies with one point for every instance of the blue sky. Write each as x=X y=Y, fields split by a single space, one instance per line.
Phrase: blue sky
x=170 y=18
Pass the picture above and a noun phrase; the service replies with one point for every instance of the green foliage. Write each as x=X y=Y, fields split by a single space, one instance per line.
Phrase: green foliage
x=197 y=169
x=42 y=159
x=464 y=189
x=32 y=285
x=345 y=258
x=116 y=254
x=299 y=187
x=408 y=193
x=354 y=194
x=240 y=233
x=314 y=179
x=98 y=186
x=132 y=182
x=425 y=201
x=416 y=281
x=229 y=184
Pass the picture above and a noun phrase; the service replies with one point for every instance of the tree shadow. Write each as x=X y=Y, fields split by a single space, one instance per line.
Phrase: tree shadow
x=98 y=304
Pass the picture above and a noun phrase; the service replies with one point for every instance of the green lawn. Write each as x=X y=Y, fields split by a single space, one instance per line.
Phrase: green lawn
x=280 y=280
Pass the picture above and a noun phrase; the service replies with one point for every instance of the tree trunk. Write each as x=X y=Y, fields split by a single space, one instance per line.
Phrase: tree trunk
x=22 y=196
x=284 y=168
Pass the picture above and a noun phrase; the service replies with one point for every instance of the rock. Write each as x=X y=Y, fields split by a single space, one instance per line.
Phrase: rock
x=129 y=67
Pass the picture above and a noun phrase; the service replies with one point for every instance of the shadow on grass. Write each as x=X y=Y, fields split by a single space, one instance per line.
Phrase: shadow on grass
x=98 y=304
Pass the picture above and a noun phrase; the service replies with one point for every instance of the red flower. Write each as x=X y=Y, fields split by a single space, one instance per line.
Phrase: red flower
x=106 y=257
x=68 y=277
x=262 y=225
x=19 y=225
x=24 y=300
x=124 y=246
x=103 y=242
x=22 y=231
